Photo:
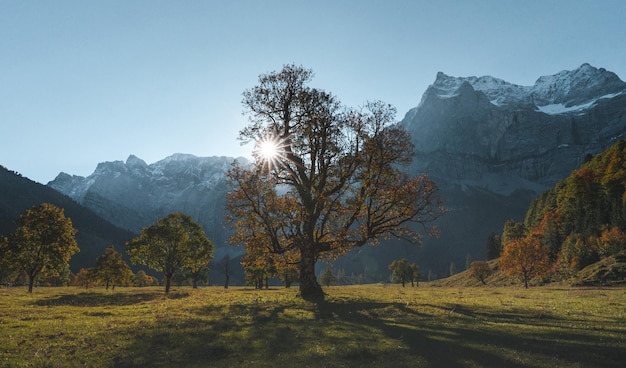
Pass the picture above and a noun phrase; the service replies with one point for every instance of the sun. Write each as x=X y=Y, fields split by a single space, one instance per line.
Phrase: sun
x=268 y=149
x=269 y=152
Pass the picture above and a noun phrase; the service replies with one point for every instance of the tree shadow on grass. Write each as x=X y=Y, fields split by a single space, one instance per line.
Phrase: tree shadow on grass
x=95 y=299
x=365 y=334
x=467 y=337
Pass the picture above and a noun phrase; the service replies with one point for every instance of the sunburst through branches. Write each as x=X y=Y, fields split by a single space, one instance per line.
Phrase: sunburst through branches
x=269 y=152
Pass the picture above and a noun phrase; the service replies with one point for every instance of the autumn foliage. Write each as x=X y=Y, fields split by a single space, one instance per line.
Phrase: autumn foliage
x=332 y=180
x=525 y=258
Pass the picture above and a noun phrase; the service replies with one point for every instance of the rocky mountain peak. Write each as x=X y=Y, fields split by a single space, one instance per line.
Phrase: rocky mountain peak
x=575 y=87
x=491 y=126
x=134 y=161
x=563 y=92
x=133 y=194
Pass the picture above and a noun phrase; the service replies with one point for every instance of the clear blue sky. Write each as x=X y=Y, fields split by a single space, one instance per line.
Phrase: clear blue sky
x=82 y=82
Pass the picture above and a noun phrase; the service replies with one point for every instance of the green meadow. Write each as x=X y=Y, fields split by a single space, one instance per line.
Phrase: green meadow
x=357 y=326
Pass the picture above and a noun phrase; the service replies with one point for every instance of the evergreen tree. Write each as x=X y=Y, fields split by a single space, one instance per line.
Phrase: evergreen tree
x=494 y=246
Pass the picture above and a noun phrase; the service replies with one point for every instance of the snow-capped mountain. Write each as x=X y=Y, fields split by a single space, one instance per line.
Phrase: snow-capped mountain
x=535 y=133
x=574 y=90
x=492 y=146
x=134 y=195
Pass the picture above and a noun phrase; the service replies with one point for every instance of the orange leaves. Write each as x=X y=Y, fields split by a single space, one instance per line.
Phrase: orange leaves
x=525 y=258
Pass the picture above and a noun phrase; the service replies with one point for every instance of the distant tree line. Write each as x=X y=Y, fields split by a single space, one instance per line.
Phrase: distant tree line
x=39 y=250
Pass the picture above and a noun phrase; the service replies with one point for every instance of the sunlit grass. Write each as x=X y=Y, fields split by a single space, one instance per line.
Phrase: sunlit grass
x=365 y=326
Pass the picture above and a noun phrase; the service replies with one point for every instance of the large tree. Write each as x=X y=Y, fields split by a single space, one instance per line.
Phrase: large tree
x=171 y=245
x=325 y=178
x=43 y=242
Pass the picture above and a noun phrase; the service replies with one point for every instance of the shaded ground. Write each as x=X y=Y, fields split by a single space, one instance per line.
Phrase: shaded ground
x=366 y=326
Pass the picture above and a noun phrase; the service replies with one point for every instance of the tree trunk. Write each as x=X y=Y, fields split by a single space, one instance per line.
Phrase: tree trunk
x=31 y=282
x=310 y=289
x=226 y=274
x=168 y=283
x=526 y=276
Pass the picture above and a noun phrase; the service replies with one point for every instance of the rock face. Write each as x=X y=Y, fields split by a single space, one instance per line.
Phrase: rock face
x=492 y=146
x=134 y=195
x=503 y=137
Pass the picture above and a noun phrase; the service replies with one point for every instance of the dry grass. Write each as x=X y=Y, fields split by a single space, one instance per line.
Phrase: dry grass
x=365 y=326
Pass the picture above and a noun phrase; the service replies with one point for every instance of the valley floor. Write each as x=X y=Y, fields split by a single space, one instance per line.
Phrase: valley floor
x=365 y=326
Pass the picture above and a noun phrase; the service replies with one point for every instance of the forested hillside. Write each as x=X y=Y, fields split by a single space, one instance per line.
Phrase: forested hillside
x=583 y=218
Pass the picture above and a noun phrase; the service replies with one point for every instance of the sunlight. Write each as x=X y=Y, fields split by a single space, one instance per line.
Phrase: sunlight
x=269 y=152
x=268 y=149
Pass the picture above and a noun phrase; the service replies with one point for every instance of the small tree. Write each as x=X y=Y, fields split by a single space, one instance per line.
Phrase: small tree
x=258 y=268
x=525 y=258
x=479 y=270
x=84 y=278
x=452 y=269
x=141 y=279
x=494 y=246
x=43 y=243
x=199 y=275
x=288 y=274
x=111 y=269
x=415 y=270
x=224 y=267
x=172 y=244
x=327 y=278
x=402 y=271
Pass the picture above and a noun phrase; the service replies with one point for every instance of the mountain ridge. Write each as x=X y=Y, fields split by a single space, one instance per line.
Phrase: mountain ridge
x=484 y=140
x=134 y=195
x=490 y=145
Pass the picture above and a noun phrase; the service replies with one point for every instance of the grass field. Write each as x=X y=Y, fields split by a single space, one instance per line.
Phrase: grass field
x=357 y=326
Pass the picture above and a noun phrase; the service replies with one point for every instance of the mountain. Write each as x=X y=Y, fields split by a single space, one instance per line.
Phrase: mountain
x=493 y=146
x=490 y=145
x=134 y=195
x=18 y=194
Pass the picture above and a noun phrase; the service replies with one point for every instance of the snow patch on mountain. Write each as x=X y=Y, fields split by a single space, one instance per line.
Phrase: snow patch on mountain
x=561 y=93
x=556 y=109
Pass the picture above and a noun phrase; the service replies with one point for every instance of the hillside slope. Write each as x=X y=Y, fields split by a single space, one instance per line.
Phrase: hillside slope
x=17 y=194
